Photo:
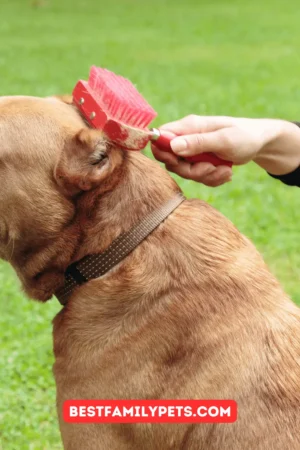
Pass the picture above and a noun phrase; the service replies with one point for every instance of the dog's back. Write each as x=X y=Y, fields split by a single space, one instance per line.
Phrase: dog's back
x=204 y=320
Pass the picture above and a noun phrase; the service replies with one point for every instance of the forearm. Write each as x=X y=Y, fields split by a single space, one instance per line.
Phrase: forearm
x=281 y=153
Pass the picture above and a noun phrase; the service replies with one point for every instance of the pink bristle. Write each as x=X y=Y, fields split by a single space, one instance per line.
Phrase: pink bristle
x=126 y=108
x=119 y=99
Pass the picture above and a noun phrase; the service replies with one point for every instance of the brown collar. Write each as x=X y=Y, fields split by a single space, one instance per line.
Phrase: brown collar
x=94 y=266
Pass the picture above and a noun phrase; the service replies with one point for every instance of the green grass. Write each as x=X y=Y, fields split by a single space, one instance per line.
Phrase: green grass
x=207 y=57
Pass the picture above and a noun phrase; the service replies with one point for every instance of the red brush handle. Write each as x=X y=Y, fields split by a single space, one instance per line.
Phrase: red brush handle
x=163 y=142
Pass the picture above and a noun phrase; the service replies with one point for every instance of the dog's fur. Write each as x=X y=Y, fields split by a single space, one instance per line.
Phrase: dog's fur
x=192 y=313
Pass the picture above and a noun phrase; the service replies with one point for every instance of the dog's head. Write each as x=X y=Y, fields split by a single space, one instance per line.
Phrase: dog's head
x=48 y=156
x=54 y=171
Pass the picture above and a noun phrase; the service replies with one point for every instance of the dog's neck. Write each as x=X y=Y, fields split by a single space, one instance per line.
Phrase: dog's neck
x=143 y=188
x=100 y=216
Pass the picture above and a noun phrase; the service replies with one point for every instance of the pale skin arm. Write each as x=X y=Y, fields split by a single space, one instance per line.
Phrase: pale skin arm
x=272 y=144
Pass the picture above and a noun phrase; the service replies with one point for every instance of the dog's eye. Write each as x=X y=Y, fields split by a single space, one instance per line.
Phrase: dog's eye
x=99 y=157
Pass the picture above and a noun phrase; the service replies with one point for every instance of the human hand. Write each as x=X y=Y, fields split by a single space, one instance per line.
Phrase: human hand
x=234 y=139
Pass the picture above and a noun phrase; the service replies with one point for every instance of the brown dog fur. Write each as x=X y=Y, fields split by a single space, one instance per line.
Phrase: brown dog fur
x=192 y=313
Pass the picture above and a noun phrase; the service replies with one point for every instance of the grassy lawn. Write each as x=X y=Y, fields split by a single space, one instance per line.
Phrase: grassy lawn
x=206 y=57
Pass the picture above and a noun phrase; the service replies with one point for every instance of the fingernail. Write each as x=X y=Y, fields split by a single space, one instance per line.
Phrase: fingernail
x=179 y=145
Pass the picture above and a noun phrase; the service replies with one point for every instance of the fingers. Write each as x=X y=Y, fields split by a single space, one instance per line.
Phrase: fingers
x=164 y=157
x=204 y=173
x=221 y=175
x=198 y=124
x=219 y=142
x=201 y=135
x=194 y=172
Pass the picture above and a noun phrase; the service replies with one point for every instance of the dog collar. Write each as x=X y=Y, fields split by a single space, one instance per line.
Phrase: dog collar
x=94 y=266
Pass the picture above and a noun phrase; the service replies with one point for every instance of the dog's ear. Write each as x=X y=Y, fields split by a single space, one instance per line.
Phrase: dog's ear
x=85 y=162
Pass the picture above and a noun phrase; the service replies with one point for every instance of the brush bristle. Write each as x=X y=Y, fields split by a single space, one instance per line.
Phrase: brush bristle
x=119 y=99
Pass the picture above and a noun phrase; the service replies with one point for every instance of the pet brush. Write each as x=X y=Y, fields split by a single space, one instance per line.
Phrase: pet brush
x=111 y=103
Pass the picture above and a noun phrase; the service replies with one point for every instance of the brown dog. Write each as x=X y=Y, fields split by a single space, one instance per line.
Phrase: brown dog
x=191 y=313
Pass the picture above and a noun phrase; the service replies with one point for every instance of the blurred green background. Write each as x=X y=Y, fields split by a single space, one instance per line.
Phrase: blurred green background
x=206 y=57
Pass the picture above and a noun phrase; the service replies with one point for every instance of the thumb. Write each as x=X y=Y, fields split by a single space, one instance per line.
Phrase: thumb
x=194 y=144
